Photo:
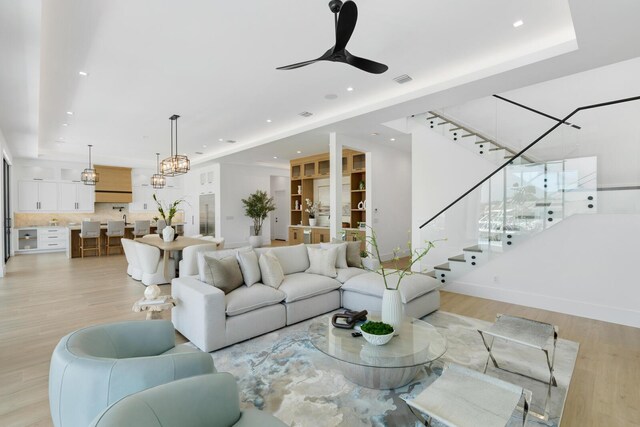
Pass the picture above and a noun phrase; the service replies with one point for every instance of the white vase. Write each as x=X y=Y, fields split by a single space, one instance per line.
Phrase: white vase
x=168 y=233
x=312 y=222
x=392 y=308
x=255 y=241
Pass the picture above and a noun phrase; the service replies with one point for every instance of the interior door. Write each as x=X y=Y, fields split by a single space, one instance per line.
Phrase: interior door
x=280 y=222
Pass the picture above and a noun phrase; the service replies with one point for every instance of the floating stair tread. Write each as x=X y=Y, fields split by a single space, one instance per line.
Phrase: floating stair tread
x=431 y=118
x=454 y=129
x=444 y=266
x=475 y=248
x=458 y=258
x=431 y=273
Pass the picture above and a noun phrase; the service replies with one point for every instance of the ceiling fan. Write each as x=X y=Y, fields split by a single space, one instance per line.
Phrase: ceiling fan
x=345 y=24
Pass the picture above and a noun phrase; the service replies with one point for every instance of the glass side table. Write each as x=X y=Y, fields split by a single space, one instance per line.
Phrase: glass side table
x=538 y=335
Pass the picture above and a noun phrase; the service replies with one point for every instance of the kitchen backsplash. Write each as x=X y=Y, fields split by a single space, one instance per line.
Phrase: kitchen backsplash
x=103 y=212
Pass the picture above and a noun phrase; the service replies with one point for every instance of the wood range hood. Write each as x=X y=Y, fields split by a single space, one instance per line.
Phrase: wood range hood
x=114 y=184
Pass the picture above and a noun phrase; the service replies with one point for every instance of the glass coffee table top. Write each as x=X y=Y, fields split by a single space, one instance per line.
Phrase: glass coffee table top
x=417 y=343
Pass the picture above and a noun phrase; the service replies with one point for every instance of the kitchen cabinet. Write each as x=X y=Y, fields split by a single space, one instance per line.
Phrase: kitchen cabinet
x=75 y=197
x=320 y=235
x=142 y=199
x=295 y=235
x=41 y=239
x=37 y=196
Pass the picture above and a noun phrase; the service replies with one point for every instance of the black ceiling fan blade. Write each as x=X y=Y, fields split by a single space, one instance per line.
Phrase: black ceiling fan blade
x=297 y=65
x=347 y=19
x=365 y=64
x=324 y=57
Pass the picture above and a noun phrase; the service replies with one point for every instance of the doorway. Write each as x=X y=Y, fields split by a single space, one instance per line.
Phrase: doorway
x=280 y=223
x=6 y=202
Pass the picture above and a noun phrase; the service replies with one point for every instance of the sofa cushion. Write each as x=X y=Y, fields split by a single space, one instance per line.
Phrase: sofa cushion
x=341 y=257
x=249 y=266
x=298 y=286
x=223 y=273
x=322 y=261
x=353 y=253
x=411 y=287
x=293 y=259
x=345 y=274
x=271 y=270
x=245 y=298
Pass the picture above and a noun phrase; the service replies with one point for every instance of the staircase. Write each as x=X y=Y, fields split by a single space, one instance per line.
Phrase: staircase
x=522 y=199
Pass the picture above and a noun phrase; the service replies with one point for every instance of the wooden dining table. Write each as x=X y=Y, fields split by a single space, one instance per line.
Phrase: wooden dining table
x=166 y=247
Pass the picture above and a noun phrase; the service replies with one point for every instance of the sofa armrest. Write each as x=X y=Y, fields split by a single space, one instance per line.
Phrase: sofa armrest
x=200 y=312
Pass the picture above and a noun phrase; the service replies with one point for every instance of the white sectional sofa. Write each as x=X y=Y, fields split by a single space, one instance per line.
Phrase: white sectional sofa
x=212 y=320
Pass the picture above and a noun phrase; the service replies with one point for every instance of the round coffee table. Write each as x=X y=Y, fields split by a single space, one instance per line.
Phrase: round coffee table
x=381 y=367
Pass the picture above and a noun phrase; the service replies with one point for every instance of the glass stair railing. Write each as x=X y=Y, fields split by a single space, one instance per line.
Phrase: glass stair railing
x=566 y=170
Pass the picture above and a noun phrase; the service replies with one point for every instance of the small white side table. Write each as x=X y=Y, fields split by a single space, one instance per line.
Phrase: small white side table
x=155 y=307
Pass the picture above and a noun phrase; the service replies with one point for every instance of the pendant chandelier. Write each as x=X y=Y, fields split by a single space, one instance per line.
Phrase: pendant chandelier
x=89 y=176
x=176 y=164
x=157 y=179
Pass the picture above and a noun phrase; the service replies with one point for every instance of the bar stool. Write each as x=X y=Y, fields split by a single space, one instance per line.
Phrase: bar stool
x=114 y=229
x=140 y=228
x=89 y=230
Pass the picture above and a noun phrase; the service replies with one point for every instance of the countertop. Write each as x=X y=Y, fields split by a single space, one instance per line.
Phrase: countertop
x=104 y=226
x=323 y=227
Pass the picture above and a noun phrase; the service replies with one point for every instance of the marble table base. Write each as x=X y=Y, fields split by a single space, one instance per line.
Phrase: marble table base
x=378 y=378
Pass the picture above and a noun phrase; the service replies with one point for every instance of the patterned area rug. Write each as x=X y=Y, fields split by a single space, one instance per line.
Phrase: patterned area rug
x=283 y=373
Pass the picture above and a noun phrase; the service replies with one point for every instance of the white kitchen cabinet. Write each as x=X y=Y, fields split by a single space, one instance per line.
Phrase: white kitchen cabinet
x=142 y=199
x=37 y=196
x=41 y=239
x=75 y=197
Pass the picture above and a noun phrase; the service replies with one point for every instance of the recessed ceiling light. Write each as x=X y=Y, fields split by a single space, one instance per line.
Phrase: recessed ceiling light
x=220 y=139
x=299 y=152
x=83 y=73
x=204 y=146
x=518 y=23
x=275 y=157
x=65 y=124
x=392 y=139
x=268 y=120
x=70 y=113
x=350 y=89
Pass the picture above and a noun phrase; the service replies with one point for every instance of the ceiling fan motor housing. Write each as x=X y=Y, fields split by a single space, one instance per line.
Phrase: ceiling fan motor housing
x=335 y=6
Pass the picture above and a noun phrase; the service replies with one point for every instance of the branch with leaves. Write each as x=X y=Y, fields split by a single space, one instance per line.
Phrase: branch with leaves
x=167 y=212
x=417 y=254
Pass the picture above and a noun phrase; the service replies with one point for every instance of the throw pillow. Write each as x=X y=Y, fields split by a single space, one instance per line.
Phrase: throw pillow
x=249 y=266
x=323 y=261
x=271 y=270
x=224 y=273
x=353 y=253
x=341 y=257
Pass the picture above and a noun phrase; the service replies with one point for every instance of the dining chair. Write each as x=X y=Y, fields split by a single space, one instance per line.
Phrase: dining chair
x=140 y=228
x=115 y=229
x=89 y=230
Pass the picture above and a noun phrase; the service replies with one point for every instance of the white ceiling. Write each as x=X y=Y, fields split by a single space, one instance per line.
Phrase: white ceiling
x=214 y=64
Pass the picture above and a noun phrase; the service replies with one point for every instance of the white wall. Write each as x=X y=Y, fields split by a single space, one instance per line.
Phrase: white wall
x=280 y=183
x=236 y=183
x=582 y=266
x=4 y=149
x=441 y=172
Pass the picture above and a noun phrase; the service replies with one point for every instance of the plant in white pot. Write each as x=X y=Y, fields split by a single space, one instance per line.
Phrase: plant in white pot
x=257 y=207
x=392 y=308
x=167 y=213
x=312 y=209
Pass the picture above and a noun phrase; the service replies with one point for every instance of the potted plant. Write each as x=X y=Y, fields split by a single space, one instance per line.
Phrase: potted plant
x=391 y=300
x=257 y=206
x=167 y=213
x=377 y=333
x=312 y=209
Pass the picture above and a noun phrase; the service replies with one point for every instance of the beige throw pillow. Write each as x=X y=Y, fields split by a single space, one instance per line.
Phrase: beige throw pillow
x=249 y=266
x=271 y=270
x=224 y=273
x=323 y=261
x=341 y=257
x=353 y=253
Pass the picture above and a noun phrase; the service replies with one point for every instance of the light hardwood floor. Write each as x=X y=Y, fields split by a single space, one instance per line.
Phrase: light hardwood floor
x=47 y=296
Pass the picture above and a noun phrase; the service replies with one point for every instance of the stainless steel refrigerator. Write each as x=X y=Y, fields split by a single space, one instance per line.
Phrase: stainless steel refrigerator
x=208 y=215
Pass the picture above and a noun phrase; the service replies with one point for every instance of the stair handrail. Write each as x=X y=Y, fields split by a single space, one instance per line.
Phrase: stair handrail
x=525 y=149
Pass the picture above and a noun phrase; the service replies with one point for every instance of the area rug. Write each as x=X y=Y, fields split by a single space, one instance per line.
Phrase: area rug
x=282 y=373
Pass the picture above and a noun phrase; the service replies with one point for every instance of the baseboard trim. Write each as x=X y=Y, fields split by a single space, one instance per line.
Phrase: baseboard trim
x=589 y=310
